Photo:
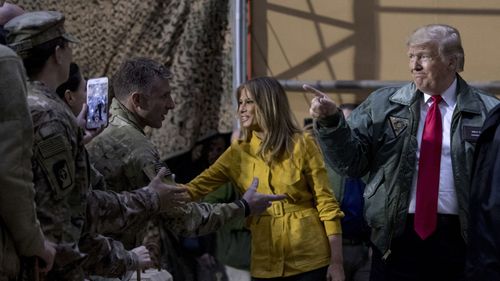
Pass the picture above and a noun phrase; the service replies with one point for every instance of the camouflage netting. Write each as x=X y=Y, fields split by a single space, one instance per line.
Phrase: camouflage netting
x=191 y=37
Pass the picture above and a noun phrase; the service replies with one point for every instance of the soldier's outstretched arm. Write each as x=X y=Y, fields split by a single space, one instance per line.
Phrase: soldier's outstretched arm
x=194 y=219
x=109 y=212
x=106 y=257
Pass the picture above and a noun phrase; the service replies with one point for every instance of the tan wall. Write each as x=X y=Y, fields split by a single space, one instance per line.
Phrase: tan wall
x=363 y=39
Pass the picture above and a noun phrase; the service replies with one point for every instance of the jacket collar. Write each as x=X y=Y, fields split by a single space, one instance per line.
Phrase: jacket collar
x=118 y=110
x=405 y=95
x=41 y=88
x=467 y=100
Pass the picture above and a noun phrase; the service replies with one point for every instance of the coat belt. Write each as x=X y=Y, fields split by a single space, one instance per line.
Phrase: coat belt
x=280 y=208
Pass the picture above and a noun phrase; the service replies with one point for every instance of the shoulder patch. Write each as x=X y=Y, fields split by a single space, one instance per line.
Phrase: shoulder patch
x=62 y=174
x=398 y=125
x=51 y=146
x=54 y=156
x=471 y=133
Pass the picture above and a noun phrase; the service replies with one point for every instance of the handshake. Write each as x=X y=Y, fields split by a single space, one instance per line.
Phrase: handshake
x=172 y=196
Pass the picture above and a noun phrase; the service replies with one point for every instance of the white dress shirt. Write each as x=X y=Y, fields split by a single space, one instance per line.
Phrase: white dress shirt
x=447 y=200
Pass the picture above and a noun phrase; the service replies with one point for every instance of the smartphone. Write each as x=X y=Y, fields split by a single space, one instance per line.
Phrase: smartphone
x=97 y=102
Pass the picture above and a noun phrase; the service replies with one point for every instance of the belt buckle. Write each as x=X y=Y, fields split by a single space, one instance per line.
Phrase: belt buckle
x=278 y=209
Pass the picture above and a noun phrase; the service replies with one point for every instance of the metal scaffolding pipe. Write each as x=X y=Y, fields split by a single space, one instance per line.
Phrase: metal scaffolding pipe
x=344 y=85
x=238 y=10
x=239 y=30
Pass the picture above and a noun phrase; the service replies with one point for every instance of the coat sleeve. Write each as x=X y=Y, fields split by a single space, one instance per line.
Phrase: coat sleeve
x=109 y=212
x=195 y=219
x=317 y=178
x=105 y=256
x=346 y=146
x=214 y=176
x=17 y=207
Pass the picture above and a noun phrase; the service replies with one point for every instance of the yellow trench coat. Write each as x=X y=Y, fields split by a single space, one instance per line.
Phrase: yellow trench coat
x=291 y=236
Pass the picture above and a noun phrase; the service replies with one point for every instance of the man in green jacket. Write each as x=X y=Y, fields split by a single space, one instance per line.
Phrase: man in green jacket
x=416 y=142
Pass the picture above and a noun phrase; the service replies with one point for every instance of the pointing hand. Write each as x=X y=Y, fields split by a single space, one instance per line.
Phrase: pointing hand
x=321 y=105
x=259 y=202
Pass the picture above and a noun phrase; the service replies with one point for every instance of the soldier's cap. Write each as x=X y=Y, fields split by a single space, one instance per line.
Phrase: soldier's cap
x=35 y=28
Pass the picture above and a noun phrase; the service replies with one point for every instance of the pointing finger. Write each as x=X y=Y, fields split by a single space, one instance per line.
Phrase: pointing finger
x=314 y=91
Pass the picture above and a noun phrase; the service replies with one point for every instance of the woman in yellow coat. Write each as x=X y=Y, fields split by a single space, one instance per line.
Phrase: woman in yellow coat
x=298 y=238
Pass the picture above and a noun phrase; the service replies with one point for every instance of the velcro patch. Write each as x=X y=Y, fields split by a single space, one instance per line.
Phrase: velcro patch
x=51 y=146
x=471 y=133
x=398 y=125
x=62 y=174
x=54 y=156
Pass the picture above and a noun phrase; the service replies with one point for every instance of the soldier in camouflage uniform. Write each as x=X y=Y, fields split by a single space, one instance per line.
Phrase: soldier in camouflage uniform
x=127 y=159
x=74 y=94
x=72 y=214
x=20 y=232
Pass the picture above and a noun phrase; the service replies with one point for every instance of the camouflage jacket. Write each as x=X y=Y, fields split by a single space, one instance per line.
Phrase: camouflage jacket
x=67 y=208
x=127 y=159
x=20 y=232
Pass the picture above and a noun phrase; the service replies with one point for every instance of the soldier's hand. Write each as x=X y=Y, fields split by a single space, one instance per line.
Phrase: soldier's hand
x=170 y=195
x=259 y=202
x=47 y=255
x=321 y=105
x=152 y=242
x=82 y=122
x=144 y=261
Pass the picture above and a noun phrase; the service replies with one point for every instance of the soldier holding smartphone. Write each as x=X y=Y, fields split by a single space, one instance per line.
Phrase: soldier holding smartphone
x=69 y=211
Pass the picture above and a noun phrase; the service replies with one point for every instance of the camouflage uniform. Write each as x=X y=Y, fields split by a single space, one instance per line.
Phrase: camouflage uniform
x=20 y=232
x=71 y=214
x=61 y=170
x=127 y=159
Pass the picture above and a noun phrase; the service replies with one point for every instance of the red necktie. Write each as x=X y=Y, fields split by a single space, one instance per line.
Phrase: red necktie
x=428 y=172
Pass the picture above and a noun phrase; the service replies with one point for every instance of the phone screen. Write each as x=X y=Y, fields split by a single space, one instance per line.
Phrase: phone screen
x=97 y=102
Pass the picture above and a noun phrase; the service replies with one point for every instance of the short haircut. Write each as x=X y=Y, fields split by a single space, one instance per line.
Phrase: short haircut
x=38 y=55
x=447 y=38
x=137 y=75
x=73 y=82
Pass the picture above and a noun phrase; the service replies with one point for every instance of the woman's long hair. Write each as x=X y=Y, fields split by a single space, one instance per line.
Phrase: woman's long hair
x=273 y=116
